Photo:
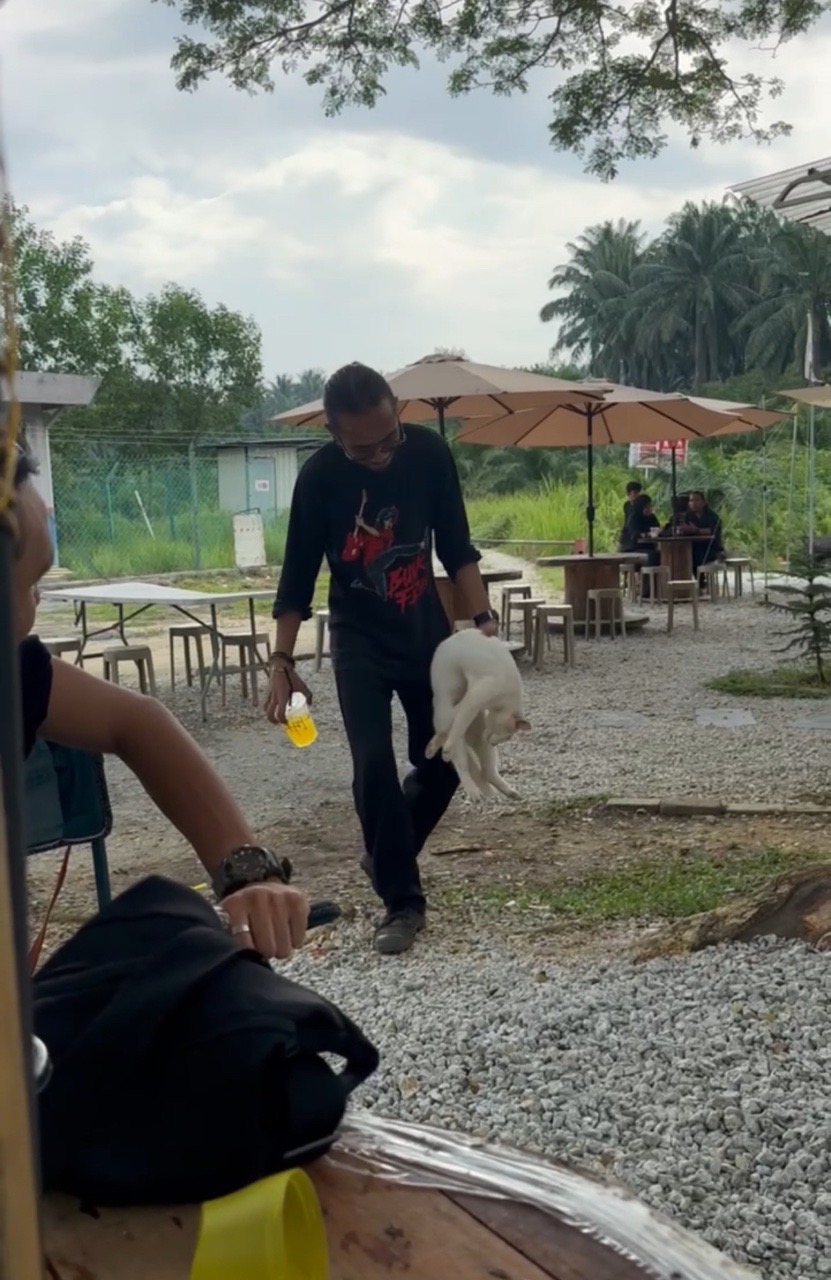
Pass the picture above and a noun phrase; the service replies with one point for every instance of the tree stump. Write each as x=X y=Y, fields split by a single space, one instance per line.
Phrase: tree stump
x=796 y=905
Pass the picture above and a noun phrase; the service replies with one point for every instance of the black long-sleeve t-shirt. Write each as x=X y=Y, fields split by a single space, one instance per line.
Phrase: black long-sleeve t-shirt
x=376 y=530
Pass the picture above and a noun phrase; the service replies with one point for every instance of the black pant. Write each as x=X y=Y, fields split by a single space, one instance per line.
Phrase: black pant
x=396 y=820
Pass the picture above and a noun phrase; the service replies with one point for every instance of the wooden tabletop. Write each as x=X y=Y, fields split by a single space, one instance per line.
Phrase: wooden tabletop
x=602 y=557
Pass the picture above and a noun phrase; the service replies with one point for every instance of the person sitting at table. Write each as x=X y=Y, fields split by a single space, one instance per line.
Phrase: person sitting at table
x=64 y=704
x=699 y=520
x=633 y=489
x=637 y=534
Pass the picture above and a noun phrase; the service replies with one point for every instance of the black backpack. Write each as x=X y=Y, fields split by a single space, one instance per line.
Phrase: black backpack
x=183 y=1067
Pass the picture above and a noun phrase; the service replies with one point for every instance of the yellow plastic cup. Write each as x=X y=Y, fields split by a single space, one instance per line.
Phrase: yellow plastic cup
x=272 y=1230
x=300 y=727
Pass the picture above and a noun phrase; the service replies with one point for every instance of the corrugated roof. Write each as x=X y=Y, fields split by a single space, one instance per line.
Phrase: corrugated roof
x=802 y=194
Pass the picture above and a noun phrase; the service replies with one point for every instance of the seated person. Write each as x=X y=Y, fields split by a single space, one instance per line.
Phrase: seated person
x=633 y=489
x=700 y=519
x=637 y=534
x=67 y=705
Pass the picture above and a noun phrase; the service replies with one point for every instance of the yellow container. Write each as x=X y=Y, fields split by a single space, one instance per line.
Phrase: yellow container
x=272 y=1230
x=300 y=727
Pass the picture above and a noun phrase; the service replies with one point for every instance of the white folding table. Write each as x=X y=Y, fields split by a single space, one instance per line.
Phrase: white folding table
x=133 y=598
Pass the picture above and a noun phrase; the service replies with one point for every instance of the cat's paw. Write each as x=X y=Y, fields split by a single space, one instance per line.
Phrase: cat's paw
x=435 y=745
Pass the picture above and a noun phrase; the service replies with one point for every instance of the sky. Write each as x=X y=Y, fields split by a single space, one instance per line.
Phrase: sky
x=377 y=236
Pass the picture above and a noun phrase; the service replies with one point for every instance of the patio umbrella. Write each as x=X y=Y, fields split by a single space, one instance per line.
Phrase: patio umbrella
x=625 y=415
x=427 y=389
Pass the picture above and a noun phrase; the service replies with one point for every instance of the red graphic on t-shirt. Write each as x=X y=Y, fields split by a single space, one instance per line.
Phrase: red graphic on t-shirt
x=373 y=546
x=407 y=584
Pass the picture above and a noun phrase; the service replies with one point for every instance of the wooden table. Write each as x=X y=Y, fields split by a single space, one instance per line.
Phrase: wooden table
x=589 y=573
x=376 y=1230
x=454 y=606
x=676 y=554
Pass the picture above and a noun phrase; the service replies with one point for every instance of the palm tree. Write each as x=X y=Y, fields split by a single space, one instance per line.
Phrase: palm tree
x=309 y=386
x=694 y=289
x=595 y=306
x=796 y=272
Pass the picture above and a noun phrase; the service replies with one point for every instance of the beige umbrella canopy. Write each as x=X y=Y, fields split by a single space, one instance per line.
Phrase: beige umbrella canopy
x=625 y=415
x=431 y=387
x=819 y=396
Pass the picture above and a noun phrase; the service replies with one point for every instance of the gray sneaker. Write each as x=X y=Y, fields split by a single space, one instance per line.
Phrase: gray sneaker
x=398 y=931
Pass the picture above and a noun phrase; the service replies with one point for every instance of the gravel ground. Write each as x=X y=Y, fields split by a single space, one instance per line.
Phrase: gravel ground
x=571 y=752
x=699 y=1083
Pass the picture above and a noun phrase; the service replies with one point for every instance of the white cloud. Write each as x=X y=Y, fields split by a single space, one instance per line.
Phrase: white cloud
x=344 y=239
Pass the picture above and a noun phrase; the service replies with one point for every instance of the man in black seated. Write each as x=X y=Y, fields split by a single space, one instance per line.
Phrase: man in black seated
x=699 y=520
x=638 y=534
x=633 y=489
x=64 y=704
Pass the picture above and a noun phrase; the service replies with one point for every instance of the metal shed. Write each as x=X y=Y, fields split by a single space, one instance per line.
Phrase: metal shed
x=260 y=474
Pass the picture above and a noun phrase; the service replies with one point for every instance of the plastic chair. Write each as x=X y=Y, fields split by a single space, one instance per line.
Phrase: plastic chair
x=66 y=803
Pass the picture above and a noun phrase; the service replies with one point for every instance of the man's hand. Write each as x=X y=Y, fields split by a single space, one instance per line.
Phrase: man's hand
x=282 y=683
x=270 y=918
x=490 y=628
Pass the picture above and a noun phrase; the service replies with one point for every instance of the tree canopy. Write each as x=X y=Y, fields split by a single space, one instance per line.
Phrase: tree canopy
x=723 y=294
x=621 y=75
x=172 y=368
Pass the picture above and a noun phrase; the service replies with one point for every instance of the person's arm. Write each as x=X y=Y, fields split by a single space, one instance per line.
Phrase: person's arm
x=303 y=556
x=453 y=545
x=93 y=715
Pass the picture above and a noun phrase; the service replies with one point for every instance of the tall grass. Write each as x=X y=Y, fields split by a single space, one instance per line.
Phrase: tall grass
x=96 y=542
x=88 y=550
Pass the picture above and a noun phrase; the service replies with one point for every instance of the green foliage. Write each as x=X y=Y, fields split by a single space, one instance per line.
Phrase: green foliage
x=785 y=682
x=722 y=296
x=668 y=888
x=622 y=75
x=806 y=603
x=172 y=369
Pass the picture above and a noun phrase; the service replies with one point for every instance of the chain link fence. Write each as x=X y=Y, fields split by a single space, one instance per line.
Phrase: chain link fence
x=129 y=517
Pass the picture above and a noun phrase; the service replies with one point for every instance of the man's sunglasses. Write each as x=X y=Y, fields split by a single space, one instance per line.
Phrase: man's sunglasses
x=365 y=453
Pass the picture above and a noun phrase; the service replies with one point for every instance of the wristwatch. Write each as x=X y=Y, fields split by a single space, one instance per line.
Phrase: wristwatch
x=250 y=864
x=488 y=615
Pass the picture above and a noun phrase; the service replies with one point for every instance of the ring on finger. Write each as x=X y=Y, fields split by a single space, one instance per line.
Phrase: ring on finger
x=238 y=929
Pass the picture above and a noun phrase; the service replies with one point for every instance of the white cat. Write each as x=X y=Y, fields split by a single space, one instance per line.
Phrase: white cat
x=477 y=703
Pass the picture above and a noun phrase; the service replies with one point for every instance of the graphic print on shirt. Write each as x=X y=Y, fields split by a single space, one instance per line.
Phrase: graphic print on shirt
x=394 y=571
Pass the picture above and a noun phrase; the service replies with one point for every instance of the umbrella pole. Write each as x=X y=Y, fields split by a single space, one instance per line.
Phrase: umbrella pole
x=765 y=510
x=442 y=424
x=674 y=478
x=811 y=477
x=590 y=477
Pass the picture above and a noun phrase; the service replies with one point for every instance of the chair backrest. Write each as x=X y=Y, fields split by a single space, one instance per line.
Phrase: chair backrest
x=66 y=798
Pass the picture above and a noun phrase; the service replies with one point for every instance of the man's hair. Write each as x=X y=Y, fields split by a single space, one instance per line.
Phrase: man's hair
x=698 y=493
x=354 y=389
x=634 y=486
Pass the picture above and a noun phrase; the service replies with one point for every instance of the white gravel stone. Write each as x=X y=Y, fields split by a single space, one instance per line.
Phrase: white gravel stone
x=701 y=1082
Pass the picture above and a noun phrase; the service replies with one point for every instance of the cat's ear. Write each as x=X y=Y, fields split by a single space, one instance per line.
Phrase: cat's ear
x=520 y=723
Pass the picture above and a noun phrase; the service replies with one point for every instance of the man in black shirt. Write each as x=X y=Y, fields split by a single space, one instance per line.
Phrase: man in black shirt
x=67 y=705
x=371 y=502
x=633 y=491
x=699 y=519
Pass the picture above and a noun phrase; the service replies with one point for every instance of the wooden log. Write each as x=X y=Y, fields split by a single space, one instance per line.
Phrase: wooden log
x=796 y=905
